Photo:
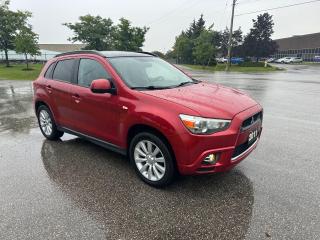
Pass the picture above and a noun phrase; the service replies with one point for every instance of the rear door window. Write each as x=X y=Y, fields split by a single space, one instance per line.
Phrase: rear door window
x=64 y=70
x=90 y=70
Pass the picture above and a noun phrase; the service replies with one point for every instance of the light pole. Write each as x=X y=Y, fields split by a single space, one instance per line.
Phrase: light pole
x=230 y=37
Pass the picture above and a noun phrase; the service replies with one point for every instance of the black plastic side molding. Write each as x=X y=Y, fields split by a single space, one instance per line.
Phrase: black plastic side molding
x=97 y=141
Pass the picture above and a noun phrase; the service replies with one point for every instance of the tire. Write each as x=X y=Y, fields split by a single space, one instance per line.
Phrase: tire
x=157 y=167
x=47 y=124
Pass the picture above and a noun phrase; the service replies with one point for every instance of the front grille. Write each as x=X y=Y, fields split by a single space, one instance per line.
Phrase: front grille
x=241 y=148
x=252 y=120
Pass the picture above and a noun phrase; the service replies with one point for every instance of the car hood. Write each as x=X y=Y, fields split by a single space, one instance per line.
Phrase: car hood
x=209 y=100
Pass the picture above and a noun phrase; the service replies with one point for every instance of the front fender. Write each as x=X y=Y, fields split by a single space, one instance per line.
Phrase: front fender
x=153 y=112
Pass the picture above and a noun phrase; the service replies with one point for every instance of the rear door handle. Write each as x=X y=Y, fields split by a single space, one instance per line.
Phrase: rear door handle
x=49 y=88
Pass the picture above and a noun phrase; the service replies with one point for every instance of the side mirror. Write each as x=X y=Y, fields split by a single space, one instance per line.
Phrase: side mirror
x=102 y=86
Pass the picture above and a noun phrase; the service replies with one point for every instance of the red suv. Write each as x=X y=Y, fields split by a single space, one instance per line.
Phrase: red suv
x=139 y=105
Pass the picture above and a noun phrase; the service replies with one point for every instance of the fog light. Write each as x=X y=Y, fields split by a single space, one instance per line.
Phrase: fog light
x=211 y=158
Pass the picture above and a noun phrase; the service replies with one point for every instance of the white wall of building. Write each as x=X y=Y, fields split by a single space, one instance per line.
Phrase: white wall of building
x=45 y=55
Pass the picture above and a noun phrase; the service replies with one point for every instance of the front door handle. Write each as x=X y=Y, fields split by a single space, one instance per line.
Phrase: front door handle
x=76 y=97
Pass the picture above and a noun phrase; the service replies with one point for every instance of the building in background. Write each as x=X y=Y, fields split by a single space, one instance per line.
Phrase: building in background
x=47 y=51
x=305 y=46
x=62 y=47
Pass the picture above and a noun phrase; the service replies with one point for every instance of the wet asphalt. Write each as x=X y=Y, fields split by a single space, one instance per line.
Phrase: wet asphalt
x=73 y=189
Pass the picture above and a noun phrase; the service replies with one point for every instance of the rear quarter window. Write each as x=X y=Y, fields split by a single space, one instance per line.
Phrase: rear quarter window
x=49 y=71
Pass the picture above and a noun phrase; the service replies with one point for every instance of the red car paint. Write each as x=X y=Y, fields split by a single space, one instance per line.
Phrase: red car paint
x=110 y=117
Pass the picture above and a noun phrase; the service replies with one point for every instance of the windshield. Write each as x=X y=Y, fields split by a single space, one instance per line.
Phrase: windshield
x=148 y=72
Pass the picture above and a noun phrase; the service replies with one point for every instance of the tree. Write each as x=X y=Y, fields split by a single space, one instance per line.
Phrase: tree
x=159 y=54
x=184 y=43
x=27 y=43
x=204 y=50
x=223 y=39
x=101 y=34
x=183 y=49
x=170 y=55
x=10 y=23
x=128 y=38
x=196 y=27
x=258 y=42
x=94 y=31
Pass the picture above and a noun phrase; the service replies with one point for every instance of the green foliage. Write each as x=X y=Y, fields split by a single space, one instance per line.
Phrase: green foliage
x=160 y=54
x=16 y=72
x=196 y=27
x=252 y=64
x=222 y=40
x=196 y=44
x=234 y=68
x=190 y=48
x=258 y=42
x=101 y=34
x=200 y=45
x=204 y=51
x=10 y=23
x=27 y=43
x=94 y=31
x=128 y=38
x=183 y=49
x=170 y=54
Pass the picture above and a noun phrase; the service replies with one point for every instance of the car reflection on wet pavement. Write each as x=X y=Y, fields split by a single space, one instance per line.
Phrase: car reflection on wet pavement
x=72 y=189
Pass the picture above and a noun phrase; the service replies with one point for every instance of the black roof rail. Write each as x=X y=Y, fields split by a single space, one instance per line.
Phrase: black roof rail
x=101 y=54
x=80 y=52
x=149 y=53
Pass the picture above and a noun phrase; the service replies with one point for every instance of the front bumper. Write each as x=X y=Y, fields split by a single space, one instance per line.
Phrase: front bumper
x=231 y=146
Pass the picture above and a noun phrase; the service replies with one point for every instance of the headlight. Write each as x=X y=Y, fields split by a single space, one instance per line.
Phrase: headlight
x=199 y=125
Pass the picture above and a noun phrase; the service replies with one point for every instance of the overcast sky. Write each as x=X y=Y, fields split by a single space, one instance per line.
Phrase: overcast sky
x=166 y=18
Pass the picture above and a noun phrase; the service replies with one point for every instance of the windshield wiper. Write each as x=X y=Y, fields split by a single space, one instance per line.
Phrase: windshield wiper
x=151 y=87
x=195 y=80
x=183 y=83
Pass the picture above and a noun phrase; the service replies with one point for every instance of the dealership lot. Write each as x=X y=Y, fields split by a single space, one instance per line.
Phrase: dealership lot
x=76 y=190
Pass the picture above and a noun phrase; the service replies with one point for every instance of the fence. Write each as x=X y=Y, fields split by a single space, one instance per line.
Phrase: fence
x=43 y=57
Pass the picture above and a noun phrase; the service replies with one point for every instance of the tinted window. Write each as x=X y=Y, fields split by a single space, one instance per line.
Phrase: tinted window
x=90 y=70
x=48 y=73
x=64 y=70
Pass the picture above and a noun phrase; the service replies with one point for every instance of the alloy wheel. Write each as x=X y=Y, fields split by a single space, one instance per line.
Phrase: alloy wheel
x=45 y=122
x=149 y=160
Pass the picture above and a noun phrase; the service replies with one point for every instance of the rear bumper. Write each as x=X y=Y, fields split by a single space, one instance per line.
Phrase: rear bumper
x=191 y=150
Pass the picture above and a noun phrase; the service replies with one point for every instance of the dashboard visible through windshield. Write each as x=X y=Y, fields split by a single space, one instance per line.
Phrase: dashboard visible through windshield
x=149 y=73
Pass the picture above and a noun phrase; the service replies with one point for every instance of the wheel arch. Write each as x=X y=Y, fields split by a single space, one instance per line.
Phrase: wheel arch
x=39 y=103
x=138 y=128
